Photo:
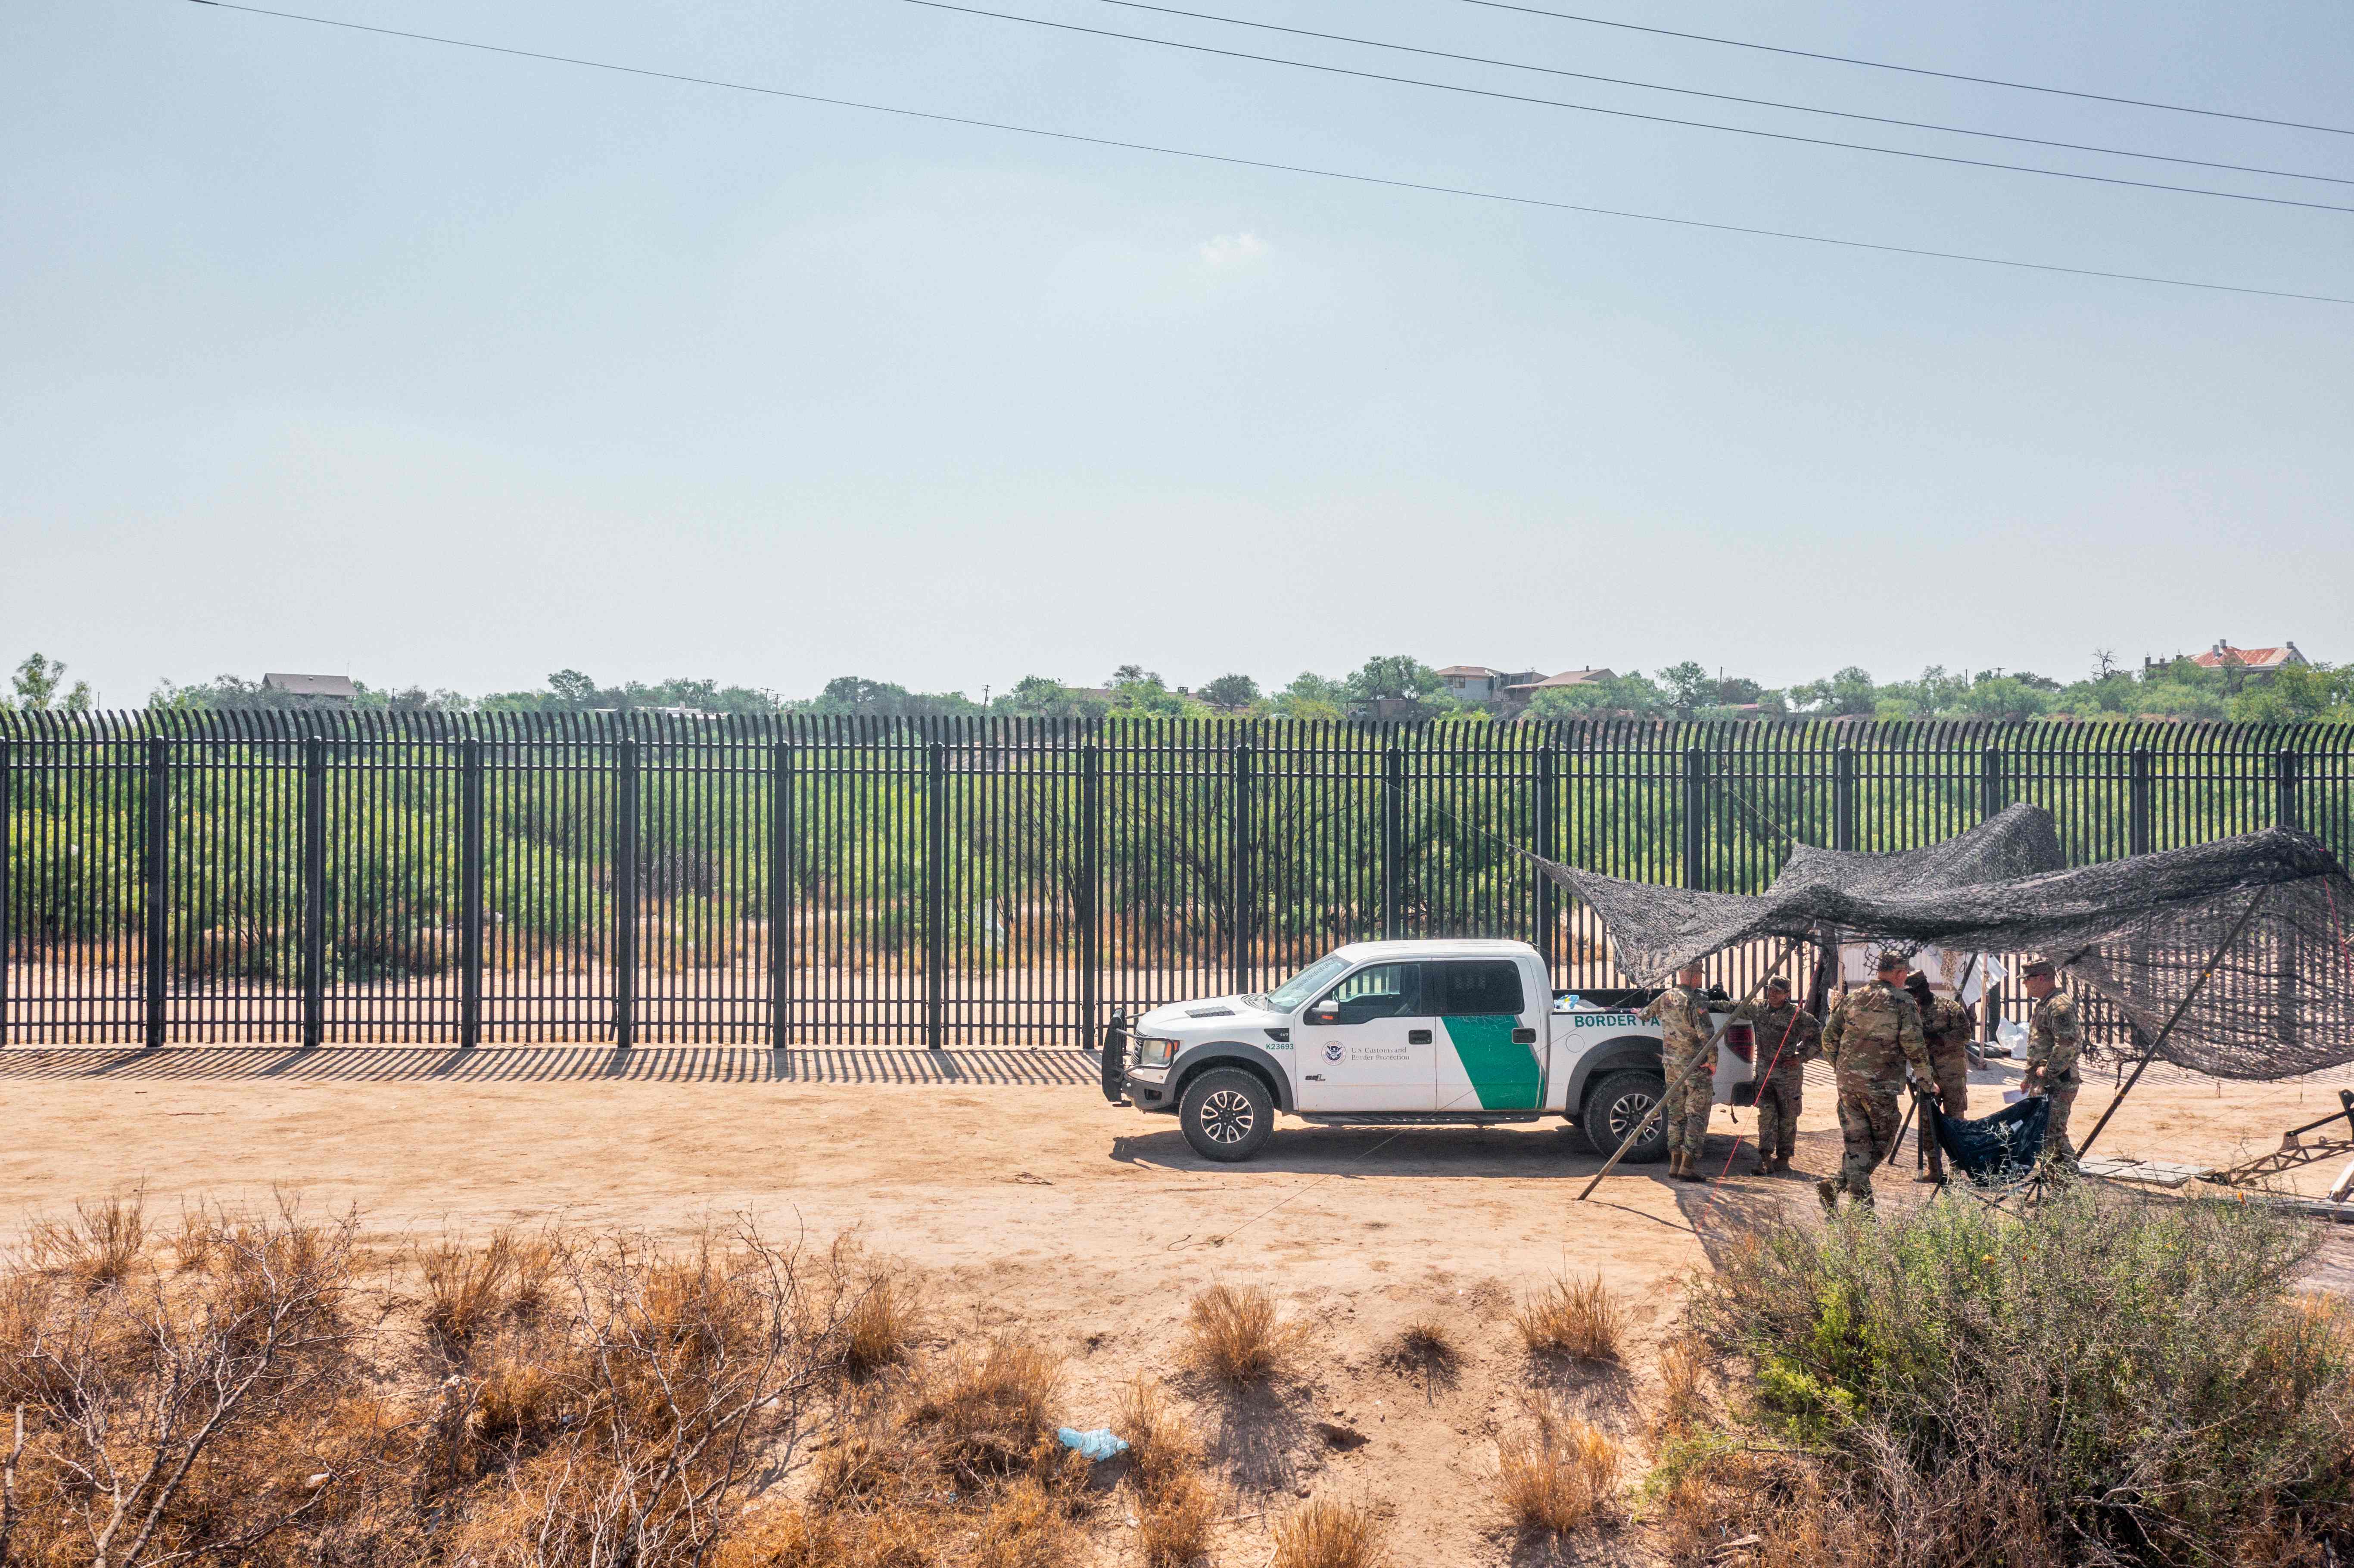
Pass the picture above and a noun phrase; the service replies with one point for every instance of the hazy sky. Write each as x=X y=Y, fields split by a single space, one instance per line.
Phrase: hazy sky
x=328 y=351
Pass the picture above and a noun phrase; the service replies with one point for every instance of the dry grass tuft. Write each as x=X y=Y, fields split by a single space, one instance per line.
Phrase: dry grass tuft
x=1425 y=1342
x=97 y=1248
x=1557 y=1477
x=987 y=1414
x=1683 y=1388
x=1327 y=1535
x=879 y=1326
x=1582 y=1320
x=1177 y=1508
x=1161 y=1445
x=1239 y=1338
x=1174 y=1527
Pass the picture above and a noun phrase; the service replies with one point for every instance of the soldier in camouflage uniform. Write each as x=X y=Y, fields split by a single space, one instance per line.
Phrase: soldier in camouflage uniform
x=1945 y=1028
x=2054 y=1035
x=1686 y=1043
x=1788 y=1037
x=1872 y=1034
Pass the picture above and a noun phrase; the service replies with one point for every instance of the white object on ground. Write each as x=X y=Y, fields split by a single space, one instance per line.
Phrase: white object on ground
x=2012 y=1033
x=1098 y=1445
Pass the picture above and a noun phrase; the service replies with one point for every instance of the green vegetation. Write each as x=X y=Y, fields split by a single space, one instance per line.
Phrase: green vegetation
x=2102 y=1380
x=1392 y=686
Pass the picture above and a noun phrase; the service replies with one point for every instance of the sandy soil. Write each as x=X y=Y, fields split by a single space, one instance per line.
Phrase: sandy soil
x=1033 y=1204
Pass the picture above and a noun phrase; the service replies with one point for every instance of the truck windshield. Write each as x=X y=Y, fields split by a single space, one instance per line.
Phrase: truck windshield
x=1294 y=991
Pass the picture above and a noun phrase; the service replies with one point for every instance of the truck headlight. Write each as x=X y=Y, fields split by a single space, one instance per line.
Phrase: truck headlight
x=1151 y=1053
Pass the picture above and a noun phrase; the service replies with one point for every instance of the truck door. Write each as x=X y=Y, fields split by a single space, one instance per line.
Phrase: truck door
x=1490 y=1031
x=1365 y=1045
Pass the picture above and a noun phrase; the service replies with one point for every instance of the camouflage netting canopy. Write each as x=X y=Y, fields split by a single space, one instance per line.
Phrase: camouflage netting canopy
x=2269 y=910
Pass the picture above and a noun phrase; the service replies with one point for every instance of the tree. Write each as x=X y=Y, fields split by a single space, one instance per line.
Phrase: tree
x=36 y=684
x=1848 y=694
x=1311 y=697
x=1394 y=675
x=1687 y=684
x=1231 y=692
x=573 y=688
x=1141 y=694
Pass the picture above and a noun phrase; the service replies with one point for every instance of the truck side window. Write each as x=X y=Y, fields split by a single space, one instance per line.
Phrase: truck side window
x=1379 y=991
x=1477 y=987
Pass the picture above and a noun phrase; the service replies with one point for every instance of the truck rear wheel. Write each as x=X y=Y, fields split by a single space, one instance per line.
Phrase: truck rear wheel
x=1227 y=1115
x=1616 y=1105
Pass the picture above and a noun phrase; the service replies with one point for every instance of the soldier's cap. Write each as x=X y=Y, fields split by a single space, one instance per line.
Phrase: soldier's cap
x=1778 y=983
x=1891 y=959
x=2034 y=966
x=1916 y=981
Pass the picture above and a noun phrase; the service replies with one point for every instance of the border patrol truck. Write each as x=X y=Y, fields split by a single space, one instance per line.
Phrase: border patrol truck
x=1401 y=1033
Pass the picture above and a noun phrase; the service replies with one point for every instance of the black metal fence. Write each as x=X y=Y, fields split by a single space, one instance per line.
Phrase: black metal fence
x=331 y=877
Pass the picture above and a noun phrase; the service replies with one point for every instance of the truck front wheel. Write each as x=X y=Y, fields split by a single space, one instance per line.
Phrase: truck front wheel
x=1227 y=1114
x=1616 y=1107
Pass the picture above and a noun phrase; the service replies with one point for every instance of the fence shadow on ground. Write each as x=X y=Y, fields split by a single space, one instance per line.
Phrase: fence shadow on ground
x=552 y=1064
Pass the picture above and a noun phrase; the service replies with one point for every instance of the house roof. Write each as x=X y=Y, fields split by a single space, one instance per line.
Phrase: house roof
x=312 y=685
x=2250 y=658
x=1468 y=672
x=1566 y=678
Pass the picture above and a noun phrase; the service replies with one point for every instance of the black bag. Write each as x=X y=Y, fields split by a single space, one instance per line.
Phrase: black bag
x=1997 y=1149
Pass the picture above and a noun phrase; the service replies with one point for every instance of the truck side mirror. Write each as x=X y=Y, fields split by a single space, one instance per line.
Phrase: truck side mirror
x=1324 y=1012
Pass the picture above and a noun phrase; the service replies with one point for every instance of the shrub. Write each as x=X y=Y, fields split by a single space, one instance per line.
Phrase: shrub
x=2101 y=1381
x=1327 y=1535
x=1239 y=1336
x=1578 y=1318
x=98 y=1246
x=1558 y=1476
x=990 y=1411
x=1173 y=1527
x=879 y=1326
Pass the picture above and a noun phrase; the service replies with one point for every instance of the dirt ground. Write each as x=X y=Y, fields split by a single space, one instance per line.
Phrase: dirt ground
x=1030 y=1203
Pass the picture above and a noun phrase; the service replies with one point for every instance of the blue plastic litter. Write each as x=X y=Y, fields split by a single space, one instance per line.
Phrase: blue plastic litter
x=1098 y=1445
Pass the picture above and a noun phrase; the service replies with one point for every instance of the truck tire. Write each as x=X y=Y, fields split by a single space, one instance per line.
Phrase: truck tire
x=1614 y=1104
x=1227 y=1115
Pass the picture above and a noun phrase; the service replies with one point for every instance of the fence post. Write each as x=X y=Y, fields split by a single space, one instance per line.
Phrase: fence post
x=1548 y=809
x=1240 y=894
x=158 y=816
x=470 y=874
x=780 y=896
x=1843 y=799
x=2137 y=834
x=1393 y=843
x=1090 y=875
x=2284 y=812
x=315 y=892
x=936 y=934
x=625 y=898
x=1696 y=816
x=7 y=819
x=1991 y=791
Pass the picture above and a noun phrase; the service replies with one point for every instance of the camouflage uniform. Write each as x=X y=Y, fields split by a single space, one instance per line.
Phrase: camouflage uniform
x=1685 y=1032
x=1872 y=1035
x=1945 y=1028
x=2053 y=1037
x=1788 y=1038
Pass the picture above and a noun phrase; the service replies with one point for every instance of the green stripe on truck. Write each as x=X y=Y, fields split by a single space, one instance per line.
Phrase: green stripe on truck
x=1503 y=1075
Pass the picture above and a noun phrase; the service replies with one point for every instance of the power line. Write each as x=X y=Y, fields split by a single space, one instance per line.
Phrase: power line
x=1235 y=161
x=1910 y=70
x=1732 y=96
x=1629 y=114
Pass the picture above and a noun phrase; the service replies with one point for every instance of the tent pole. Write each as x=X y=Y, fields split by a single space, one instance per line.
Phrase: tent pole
x=1707 y=1056
x=2183 y=1007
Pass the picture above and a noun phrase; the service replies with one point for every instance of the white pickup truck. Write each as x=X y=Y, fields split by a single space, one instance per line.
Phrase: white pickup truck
x=1399 y=1033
